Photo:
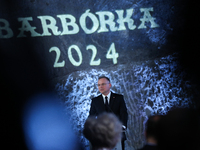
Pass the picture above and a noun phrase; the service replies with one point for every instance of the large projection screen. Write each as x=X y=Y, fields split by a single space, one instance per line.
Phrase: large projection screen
x=140 y=45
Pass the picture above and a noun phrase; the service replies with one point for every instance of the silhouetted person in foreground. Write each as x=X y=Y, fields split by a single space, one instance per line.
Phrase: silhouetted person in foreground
x=103 y=132
x=179 y=129
x=151 y=133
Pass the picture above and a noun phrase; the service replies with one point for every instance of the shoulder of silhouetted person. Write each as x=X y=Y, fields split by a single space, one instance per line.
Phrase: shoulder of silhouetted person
x=179 y=129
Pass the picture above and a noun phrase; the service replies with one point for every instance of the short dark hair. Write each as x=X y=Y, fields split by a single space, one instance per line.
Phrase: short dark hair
x=101 y=77
x=151 y=126
x=103 y=131
x=179 y=129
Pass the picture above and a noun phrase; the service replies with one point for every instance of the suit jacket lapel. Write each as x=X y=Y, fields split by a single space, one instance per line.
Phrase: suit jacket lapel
x=112 y=99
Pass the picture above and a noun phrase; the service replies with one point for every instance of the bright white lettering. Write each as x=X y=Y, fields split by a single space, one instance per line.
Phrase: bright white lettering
x=66 y=25
x=72 y=60
x=103 y=21
x=128 y=19
x=9 y=32
x=93 y=19
x=147 y=18
x=51 y=25
x=27 y=27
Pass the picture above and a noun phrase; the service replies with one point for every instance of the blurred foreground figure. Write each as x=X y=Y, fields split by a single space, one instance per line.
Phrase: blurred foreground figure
x=179 y=129
x=46 y=126
x=151 y=133
x=103 y=132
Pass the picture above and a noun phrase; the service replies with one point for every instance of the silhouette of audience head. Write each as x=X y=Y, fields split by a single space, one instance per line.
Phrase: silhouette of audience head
x=103 y=131
x=151 y=129
x=179 y=129
x=151 y=133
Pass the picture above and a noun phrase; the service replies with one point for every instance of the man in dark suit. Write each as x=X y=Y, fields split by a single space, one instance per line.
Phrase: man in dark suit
x=109 y=102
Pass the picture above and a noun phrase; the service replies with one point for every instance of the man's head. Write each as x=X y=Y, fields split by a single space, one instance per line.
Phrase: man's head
x=103 y=131
x=151 y=128
x=179 y=129
x=104 y=85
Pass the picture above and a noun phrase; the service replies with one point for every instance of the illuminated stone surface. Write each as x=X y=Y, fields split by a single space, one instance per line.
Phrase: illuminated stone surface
x=147 y=90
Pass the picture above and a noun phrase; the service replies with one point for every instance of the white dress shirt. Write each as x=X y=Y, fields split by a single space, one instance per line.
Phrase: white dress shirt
x=104 y=99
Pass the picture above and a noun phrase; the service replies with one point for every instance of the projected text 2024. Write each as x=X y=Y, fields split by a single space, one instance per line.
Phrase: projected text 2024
x=94 y=60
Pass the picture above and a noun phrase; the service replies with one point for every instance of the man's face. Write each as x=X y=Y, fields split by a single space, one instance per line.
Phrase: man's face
x=104 y=86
